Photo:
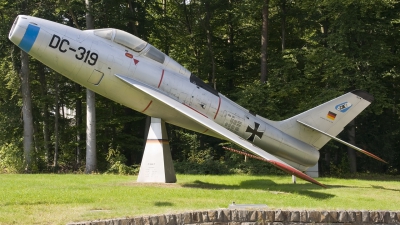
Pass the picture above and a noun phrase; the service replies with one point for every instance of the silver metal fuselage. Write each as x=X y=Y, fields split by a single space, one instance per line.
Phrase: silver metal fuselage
x=93 y=62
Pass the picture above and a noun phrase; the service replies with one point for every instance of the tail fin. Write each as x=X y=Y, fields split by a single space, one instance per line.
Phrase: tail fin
x=330 y=117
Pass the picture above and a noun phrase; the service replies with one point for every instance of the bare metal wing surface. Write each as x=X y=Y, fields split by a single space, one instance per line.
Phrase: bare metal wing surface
x=186 y=112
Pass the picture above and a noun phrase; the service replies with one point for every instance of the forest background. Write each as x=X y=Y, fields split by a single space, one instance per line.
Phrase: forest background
x=274 y=57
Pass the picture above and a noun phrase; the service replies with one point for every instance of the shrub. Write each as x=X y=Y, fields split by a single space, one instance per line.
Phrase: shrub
x=11 y=159
x=116 y=162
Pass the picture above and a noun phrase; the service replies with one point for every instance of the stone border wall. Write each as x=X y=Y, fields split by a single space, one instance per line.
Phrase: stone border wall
x=254 y=217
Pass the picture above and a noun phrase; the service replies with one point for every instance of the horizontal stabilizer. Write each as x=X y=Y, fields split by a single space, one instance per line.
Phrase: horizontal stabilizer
x=343 y=142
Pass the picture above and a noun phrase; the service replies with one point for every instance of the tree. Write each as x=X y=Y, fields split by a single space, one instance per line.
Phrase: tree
x=56 y=124
x=26 y=110
x=209 y=33
x=264 y=42
x=91 y=160
x=315 y=51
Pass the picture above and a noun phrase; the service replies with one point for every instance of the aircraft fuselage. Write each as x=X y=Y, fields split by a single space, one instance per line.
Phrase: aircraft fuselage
x=94 y=59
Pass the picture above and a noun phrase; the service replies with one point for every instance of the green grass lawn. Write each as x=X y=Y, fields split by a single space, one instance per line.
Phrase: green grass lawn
x=58 y=199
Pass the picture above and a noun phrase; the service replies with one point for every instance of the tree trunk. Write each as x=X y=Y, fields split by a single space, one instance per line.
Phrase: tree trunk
x=351 y=133
x=133 y=22
x=78 y=108
x=328 y=163
x=196 y=51
x=91 y=160
x=45 y=113
x=56 y=123
x=231 y=45
x=187 y=19
x=207 y=25
x=166 y=37
x=283 y=25
x=264 y=42
x=26 y=111
x=78 y=123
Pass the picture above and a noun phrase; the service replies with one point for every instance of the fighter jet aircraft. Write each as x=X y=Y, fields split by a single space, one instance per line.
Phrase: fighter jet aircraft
x=130 y=71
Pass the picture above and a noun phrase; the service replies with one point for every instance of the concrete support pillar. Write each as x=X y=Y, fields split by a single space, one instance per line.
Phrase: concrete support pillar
x=313 y=171
x=157 y=163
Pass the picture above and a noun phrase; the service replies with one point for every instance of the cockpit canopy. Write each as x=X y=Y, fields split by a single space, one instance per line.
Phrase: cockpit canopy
x=136 y=44
x=132 y=42
x=123 y=38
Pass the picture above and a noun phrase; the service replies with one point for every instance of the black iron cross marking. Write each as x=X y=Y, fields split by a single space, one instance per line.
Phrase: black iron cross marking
x=254 y=132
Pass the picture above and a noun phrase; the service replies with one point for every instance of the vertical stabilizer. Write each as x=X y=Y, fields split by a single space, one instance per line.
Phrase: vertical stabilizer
x=330 y=117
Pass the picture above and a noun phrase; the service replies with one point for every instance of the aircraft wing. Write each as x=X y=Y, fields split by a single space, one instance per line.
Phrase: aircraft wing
x=181 y=109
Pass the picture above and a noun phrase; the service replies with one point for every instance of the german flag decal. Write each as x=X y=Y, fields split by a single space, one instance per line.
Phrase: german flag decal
x=331 y=115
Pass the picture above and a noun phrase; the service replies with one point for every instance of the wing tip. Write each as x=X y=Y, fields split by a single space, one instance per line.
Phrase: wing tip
x=373 y=156
x=363 y=94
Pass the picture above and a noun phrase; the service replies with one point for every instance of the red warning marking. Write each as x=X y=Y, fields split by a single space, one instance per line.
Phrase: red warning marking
x=219 y=104
x=157 y=141
x=372 y=155
x=204 y=131
x=162 y=76
x=196 y=111
x=147 y=106
x=129 y=55
x=135 y=61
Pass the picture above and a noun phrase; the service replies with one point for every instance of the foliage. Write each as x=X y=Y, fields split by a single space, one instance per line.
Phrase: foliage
x=329 y=47
x=117 y=164
x=201 y=162
x=207 y=161
x=11 y=159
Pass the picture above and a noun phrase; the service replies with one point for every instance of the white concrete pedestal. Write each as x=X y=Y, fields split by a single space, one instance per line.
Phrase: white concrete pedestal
x=157 y=163
x=313 y=171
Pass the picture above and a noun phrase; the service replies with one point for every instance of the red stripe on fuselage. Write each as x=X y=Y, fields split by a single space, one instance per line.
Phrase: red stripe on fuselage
x=196 y=111
x=219 y=104
x=162 y=76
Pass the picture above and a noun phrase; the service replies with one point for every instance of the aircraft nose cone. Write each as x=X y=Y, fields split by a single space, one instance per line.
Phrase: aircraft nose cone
x=23 y=33
x=16 y=33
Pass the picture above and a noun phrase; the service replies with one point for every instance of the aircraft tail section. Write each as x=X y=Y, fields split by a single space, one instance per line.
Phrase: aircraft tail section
x=329 y=118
